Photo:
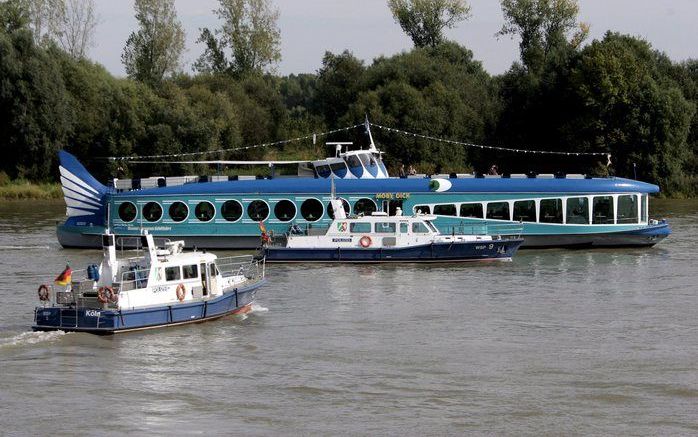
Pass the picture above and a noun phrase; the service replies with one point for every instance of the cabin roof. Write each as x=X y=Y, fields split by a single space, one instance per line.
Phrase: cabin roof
x=303 y=185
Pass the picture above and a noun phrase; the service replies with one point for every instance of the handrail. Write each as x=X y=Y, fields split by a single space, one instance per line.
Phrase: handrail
x=134 y=279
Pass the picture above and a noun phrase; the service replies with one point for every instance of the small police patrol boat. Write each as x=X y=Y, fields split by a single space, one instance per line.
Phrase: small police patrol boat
x=164 y=287
x=380 y=237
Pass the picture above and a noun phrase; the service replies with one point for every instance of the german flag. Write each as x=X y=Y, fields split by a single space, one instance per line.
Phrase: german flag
x=65 y=277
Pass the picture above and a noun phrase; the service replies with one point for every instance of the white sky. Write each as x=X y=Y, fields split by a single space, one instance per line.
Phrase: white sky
x=366 y=27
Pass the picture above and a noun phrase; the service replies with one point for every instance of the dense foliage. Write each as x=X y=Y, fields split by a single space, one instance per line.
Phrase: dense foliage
x=614 y=95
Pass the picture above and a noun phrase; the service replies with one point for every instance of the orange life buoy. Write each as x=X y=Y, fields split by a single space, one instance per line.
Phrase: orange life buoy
x=181 y=292
x=365 y=241
x=106 y=294
x=43 y=292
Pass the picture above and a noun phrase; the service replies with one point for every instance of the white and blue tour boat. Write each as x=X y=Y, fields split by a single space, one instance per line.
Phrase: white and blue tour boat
x=380 y=237
x=555 y=210
x=163 y=287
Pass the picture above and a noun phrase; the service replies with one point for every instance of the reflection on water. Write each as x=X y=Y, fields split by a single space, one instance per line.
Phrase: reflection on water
x=569 y=342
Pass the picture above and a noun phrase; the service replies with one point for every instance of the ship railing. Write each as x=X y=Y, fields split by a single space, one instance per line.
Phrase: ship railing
x=511 y=230
x=248 y=266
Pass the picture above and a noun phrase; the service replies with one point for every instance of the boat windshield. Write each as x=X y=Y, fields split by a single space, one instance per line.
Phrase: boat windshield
x=365 y=159
x=431 y=226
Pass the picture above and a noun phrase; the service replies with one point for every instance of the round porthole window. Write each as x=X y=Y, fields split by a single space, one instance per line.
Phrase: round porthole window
x=179 y=211
x=152 y=211
x=285 y=210
x=231 y=210
x=312 y=210
x=127 y=212
x=258 y=210
x=345 y=204
x=205 y=211
x=364 y=206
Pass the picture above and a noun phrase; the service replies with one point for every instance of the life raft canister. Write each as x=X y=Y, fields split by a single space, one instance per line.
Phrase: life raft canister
x=181 y=292
x=106 y=294
x=365 y=241
x=43 y=292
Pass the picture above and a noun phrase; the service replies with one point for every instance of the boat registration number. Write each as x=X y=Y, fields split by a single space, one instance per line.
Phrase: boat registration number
x=484 y=246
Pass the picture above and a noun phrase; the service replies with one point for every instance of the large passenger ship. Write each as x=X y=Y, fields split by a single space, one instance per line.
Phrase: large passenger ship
x=226 y=211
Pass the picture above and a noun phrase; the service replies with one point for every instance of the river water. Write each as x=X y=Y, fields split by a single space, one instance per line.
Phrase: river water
x=555 y=342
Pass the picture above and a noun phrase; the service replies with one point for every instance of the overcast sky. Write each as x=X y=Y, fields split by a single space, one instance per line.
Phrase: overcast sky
x=366 y=27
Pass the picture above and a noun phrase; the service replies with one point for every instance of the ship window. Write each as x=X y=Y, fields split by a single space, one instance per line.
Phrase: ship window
x=551 y=211
x=364 y=206
x=419 y=228
x=345 y=204
x=498 y=211
x=338 y=167
x=603 y=210
x=258 y=210
x=152 y=211
x=353 y=161
x=213 y=269
x=364 y=159
x=231 y=210
x=172 y=273
x=312 y=210
x=178 y=211
x=360 y=228
x=285 y=210
x=473 y=210
x=627 y=209
x=205 y=211
x=385 y=228
x=127 y=212
x=445 y=209
x=578 y=210
x=643 y=207
x=403 y=228
x=525 y=211
x=323 y=170
x=423 y=209
x=191 y=271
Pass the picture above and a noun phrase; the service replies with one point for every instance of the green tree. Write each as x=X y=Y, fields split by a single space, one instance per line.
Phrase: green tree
x=544 y=26
x=425 y=20
x=249 y=32
x=154 y=50
x=338 y=85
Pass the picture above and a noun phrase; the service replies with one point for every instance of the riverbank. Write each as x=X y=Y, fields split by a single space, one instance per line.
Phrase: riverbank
x=25 y=190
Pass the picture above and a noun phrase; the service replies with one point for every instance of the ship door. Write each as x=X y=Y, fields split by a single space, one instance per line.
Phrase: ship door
x=212 y=278
x=204 y=279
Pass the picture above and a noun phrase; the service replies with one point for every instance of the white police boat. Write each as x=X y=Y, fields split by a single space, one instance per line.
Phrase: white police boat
x=380 y=237
x=164 y=287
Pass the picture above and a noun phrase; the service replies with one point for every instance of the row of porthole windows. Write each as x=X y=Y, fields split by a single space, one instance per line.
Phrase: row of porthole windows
x=311 y=210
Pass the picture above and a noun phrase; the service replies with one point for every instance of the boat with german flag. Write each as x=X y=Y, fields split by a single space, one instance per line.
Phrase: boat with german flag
x=159 y=287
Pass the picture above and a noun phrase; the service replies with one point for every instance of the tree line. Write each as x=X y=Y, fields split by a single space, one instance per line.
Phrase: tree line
x=615 y=95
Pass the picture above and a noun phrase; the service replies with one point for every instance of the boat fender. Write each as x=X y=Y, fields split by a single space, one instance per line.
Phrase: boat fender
x=181 y=292
x=43 y=292
x=365 y=241
x=105 y=294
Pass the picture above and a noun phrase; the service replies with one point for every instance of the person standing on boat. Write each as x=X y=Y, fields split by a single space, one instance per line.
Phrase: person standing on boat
x=411 y=170
x=494 y=170
x=401 y=171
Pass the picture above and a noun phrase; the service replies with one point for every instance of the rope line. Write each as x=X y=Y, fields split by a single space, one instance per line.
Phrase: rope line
x=480 y=146
x=312 y=136
x=141 y=159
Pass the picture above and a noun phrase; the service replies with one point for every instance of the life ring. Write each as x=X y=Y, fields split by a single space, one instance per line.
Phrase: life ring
x=43 y=292
x=181 y=292
x=106 y=294
x=365 y=241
